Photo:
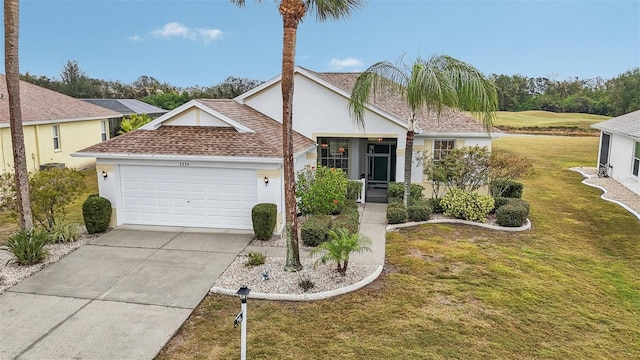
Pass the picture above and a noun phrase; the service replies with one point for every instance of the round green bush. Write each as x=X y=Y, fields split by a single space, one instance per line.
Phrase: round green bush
x=435 y=205
x=498 y=202
x=347 y=222
x=96 y=212
x=315 y=230
x=520 y=202
x=264 y=217
x=419 y=212
x=511 y=215
x=397 y=214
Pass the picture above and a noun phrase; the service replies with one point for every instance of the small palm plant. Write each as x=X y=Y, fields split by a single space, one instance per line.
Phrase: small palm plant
x=340 y=246
x=28 y=247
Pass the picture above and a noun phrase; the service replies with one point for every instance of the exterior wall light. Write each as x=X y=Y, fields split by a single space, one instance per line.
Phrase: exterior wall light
x=104 y=175
x=266 y=181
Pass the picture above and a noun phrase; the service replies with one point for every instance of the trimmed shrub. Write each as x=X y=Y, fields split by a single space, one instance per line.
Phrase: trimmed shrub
x=264 y=217
x=397 y=213
x=436 y=208
x=64 y=232
x=348 y=222
x=498 y=202
x=354 y=189
x=96 y=212
x=467 y=206
x=27 y=246
x=255 y=258
x=395 y=192
x=321 y=190
x=348 y=207
x=511 y=215
x=520 y=202
x=315 y=230
x=506 y=188
x=419 y=212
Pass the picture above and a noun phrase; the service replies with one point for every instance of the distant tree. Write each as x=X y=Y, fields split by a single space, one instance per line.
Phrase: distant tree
x=76 y=83
x=167 y=101
x=12 y=68
x=624 y=92
x=231 y=87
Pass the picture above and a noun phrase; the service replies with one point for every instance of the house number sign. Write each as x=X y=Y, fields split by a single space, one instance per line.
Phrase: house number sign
x=184 y=164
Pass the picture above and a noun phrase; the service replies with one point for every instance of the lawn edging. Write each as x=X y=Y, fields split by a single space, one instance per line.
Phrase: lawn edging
x=304 y=297
x=604 y=192
x=526 y=226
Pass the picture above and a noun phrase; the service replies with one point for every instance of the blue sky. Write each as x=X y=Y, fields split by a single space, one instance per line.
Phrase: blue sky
x=189 y=43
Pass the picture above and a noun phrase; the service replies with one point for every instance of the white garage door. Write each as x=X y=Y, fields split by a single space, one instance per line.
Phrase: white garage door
x=183 y=196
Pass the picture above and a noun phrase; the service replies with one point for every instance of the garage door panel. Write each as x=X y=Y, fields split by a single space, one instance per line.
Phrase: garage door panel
x=199 y=197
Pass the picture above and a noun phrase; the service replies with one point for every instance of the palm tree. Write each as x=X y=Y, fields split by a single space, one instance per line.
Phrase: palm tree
x=340 y=246
x=427 y=86
x=12 y=68
x=293 y=12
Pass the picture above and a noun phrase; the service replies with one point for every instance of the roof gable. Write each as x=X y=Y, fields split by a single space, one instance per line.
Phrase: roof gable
x=253 y=135
x=40 y=105
x=627 y=124
x=391 y=106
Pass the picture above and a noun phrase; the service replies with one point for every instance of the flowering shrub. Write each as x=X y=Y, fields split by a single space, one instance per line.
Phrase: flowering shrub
x=465 y=205
x=321 y=191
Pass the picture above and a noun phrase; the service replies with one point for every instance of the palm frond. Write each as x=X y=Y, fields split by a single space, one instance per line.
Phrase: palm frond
x=333 y=9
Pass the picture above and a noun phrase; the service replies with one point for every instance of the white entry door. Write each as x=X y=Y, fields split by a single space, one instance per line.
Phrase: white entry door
x=187 y=196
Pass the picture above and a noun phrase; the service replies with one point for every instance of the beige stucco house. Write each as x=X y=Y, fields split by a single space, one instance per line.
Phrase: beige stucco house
x=55 y=125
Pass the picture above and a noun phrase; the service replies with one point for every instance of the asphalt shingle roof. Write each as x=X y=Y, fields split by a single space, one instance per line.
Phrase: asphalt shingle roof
x=264 y=142
x=450 y=121
x=627 y=124
x=40 y=104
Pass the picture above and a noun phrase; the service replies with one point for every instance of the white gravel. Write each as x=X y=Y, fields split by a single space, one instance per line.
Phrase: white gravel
x=324 y=276
x=614 y=190
x=12 y=273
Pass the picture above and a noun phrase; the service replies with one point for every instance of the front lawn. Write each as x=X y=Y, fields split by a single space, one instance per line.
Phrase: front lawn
x=568 y=289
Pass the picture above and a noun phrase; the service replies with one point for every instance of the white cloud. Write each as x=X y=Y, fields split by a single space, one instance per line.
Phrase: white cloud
x=176 y=30
x=210 y=34
x=345 y=64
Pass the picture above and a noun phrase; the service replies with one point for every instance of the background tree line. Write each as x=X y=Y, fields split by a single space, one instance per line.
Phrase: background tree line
x=612 y=97
x=75 y=82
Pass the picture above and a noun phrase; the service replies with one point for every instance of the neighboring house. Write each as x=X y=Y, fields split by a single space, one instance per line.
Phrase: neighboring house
x=206 y=163
x=619 y=150
x=55 y=125
x=126 y=107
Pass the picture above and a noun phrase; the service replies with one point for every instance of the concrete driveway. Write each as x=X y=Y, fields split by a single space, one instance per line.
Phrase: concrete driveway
x=122 y=296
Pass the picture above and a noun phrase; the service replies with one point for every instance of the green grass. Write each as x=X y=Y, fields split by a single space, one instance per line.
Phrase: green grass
x=9 y=223
x=567 y=289
x=550 y=122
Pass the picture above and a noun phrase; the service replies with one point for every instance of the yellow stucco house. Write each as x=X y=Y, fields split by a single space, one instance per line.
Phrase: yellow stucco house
x=55 y=126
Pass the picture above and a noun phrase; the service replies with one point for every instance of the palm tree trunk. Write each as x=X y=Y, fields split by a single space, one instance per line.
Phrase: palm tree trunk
x=408 y=157
x=12 y=68
x=292 y=11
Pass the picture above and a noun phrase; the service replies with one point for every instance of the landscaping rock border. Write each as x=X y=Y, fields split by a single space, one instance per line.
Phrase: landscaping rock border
x=526 y=226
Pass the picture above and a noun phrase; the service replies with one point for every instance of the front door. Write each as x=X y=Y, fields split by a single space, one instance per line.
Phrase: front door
x=378 y=170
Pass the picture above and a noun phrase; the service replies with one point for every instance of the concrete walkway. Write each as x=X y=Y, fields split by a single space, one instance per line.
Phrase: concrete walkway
x=122 y=296
x=372 y=225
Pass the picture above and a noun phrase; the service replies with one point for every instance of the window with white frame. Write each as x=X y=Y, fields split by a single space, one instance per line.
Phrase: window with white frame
x=103 y=130
x=56 y=137
x=636 y=160
x=442 y=147
x=334 y=153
